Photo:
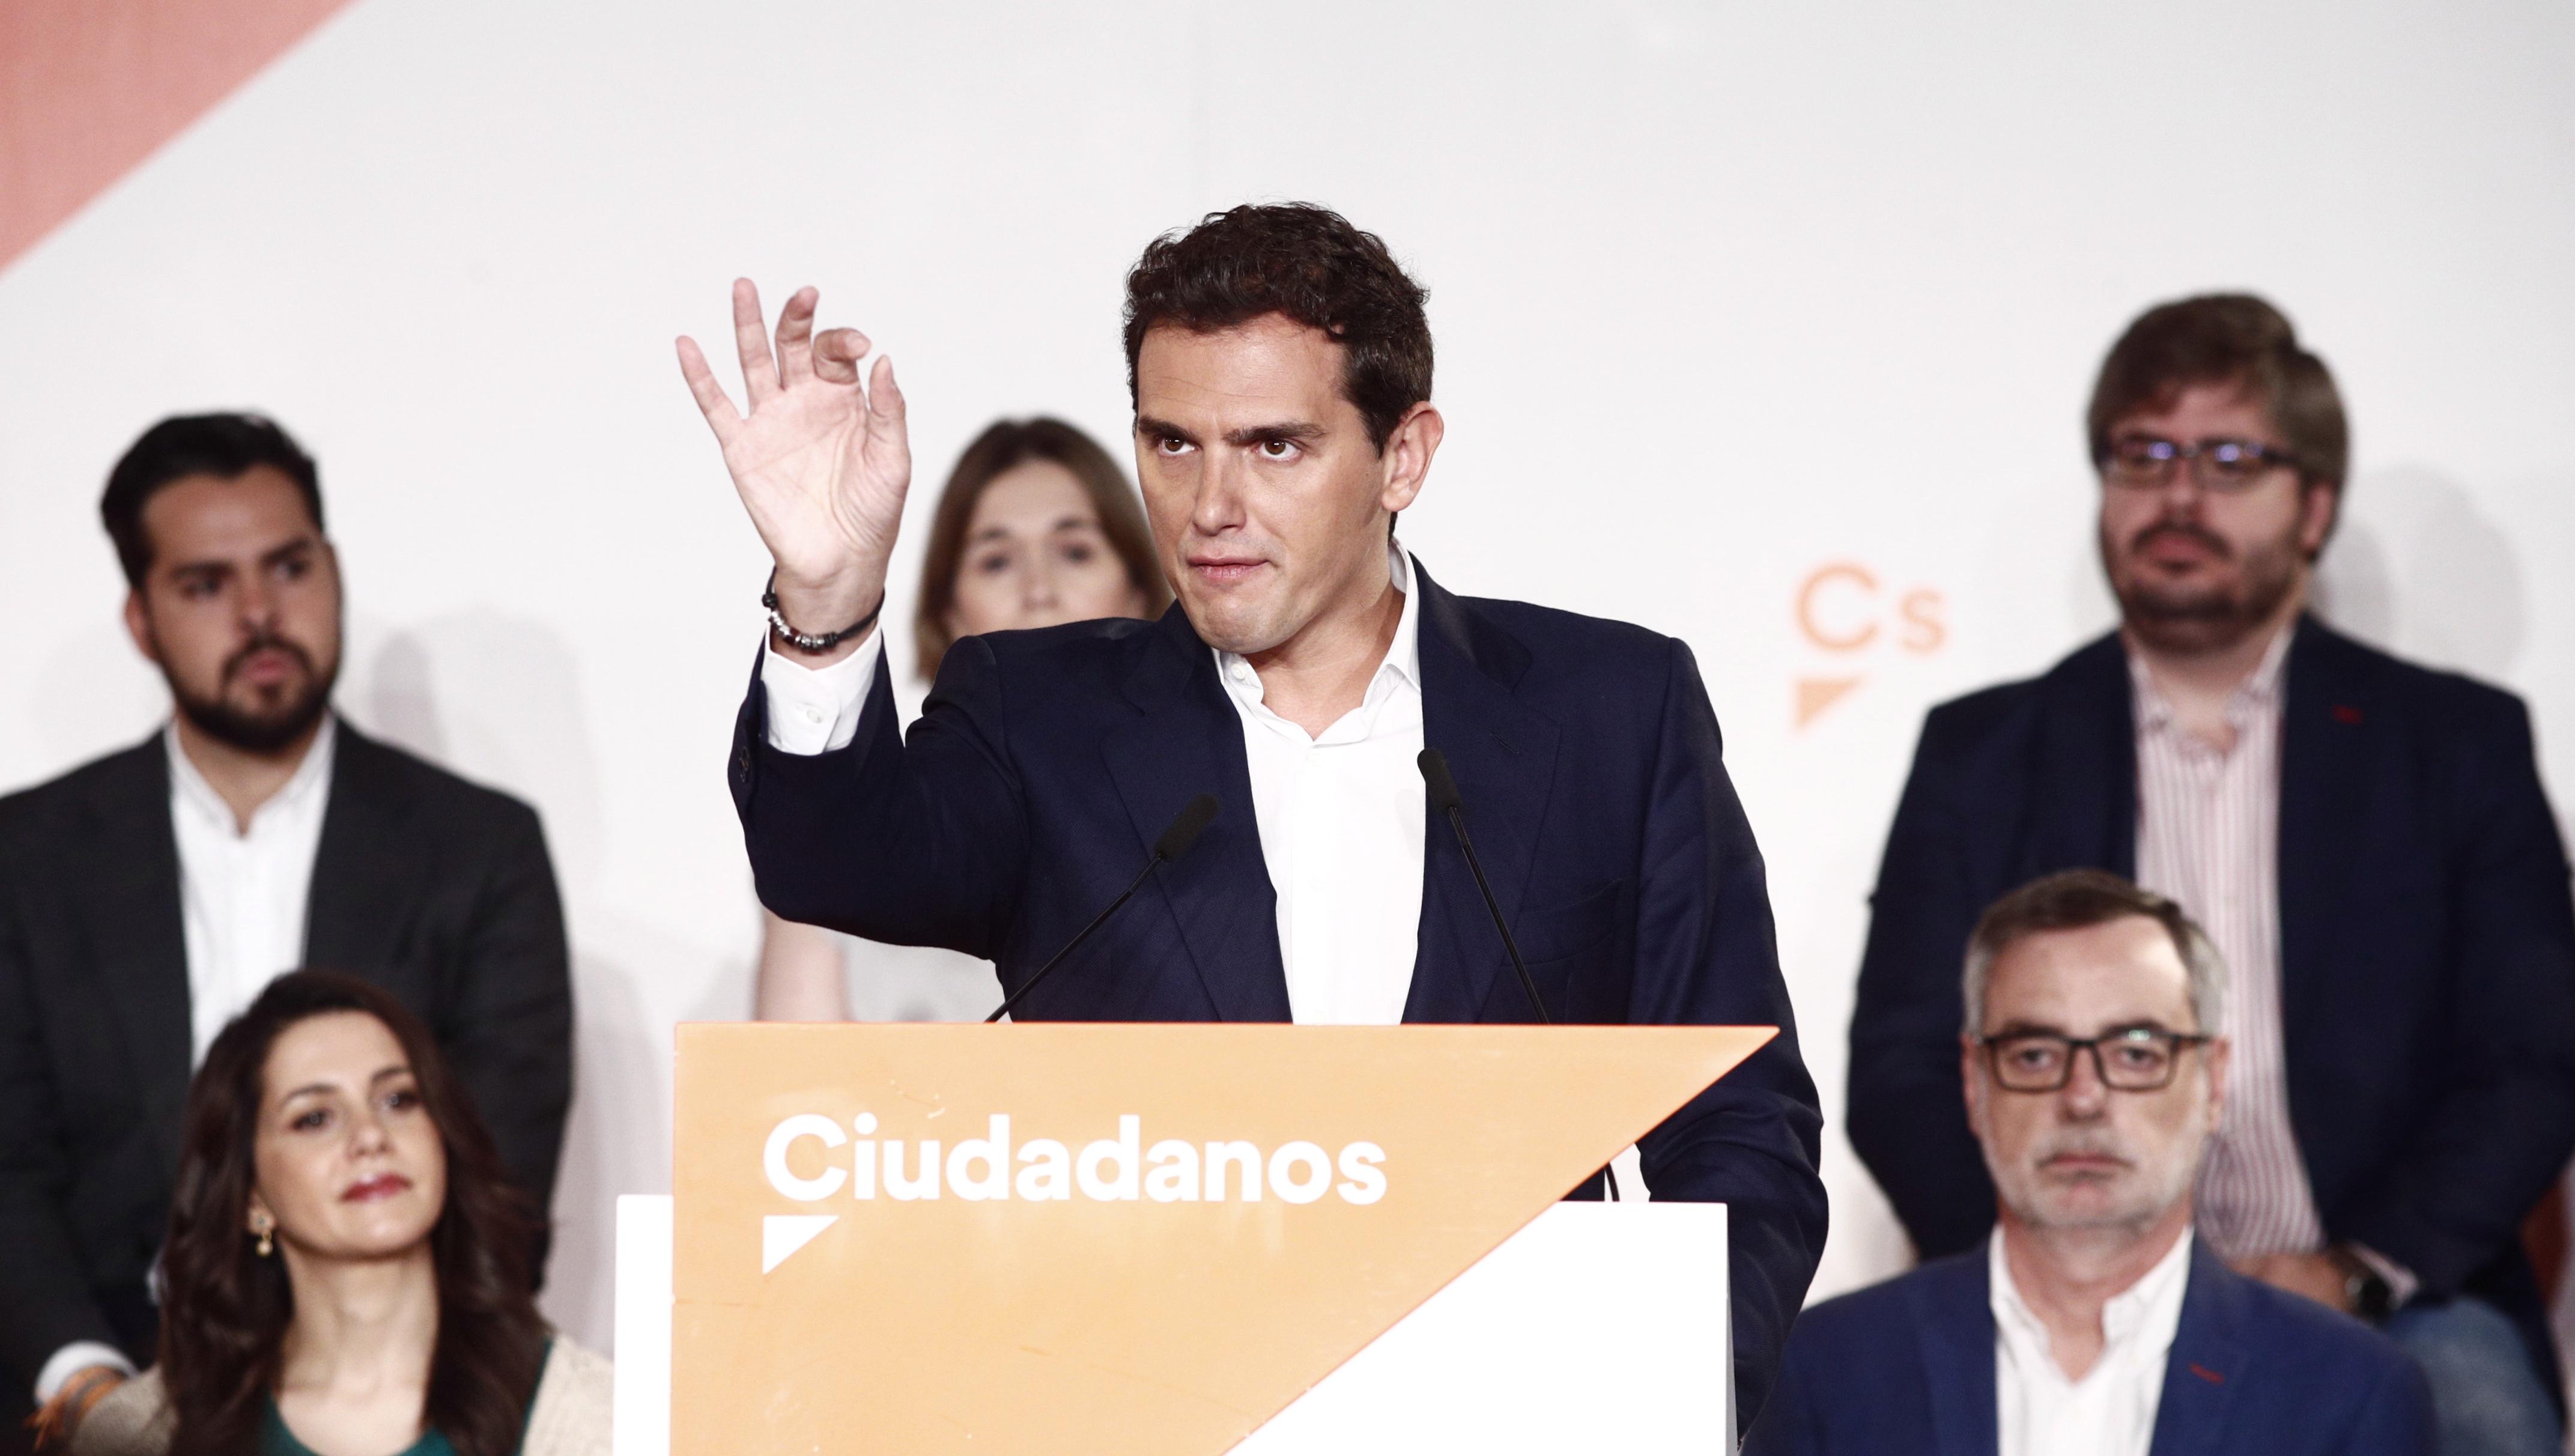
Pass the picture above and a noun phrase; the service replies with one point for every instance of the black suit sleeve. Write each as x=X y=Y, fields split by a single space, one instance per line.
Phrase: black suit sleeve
x=2504 y=1120
x=1908 y=1112
x=1790 y=1423
x=45 y=1303
x=1706 y=955
x=507 y=1031
x=917 y=844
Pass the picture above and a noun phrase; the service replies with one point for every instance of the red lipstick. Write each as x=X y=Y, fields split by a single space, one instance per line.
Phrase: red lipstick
x=382 y=1185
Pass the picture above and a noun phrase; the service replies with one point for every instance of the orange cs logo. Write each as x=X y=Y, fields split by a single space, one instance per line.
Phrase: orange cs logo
x=1844 y=610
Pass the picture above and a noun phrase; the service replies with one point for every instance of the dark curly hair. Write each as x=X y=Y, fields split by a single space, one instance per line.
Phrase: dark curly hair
x=225 y=1310
x=1304 y=263
x=2224 y=339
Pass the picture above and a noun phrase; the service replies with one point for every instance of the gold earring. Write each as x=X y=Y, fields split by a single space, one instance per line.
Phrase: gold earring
x=267 y=1238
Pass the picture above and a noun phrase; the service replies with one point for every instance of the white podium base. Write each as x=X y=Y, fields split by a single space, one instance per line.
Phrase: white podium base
x=1598 y=1328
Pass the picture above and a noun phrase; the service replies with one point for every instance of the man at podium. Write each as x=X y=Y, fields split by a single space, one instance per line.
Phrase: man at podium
x=1280 y=364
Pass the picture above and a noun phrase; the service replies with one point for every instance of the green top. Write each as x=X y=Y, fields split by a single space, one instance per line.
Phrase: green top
x=276 y=1440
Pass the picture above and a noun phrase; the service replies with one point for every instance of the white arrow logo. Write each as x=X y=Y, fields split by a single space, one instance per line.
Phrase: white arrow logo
x=781 y=1234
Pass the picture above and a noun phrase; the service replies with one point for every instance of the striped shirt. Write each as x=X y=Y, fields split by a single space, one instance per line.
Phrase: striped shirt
x=2208 y=837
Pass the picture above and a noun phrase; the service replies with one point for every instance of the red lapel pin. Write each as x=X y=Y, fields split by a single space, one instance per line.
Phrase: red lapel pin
x=2345 y=712
x=2204 y=1373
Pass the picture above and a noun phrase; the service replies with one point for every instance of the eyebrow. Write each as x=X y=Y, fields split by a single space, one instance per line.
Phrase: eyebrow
x=1291 y=430
x=2034 y=1028
x=396 y=1071
x=269 y=557
x=1152 y=429
x=1248 y=434
x=1062 y=522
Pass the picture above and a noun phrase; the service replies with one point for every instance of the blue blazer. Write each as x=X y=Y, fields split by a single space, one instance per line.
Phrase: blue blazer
x=1906 y=1368
x=2427 y=948
x=1047 y=762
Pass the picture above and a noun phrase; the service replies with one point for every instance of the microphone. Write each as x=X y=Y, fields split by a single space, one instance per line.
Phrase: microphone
x=1444 y=799
x=1176 y=841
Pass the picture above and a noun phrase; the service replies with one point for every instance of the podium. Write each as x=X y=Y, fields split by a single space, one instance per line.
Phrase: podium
x=1172 y=1238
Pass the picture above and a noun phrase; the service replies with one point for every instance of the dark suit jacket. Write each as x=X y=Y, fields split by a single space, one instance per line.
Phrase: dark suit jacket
x=1047 y=762
x=435 y=889
x=2427 y=946
x=1906 y=1368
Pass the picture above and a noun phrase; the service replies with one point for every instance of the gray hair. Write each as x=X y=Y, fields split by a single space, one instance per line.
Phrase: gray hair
x=2074 y=899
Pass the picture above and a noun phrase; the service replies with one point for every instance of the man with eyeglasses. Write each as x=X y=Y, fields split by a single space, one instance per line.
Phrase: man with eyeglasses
x=2366 y=840
x=2093 y=1319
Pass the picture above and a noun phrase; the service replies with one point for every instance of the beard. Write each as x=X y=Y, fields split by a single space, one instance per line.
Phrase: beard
x=2145 y=1186
x=275 y=719
x=2204 y=618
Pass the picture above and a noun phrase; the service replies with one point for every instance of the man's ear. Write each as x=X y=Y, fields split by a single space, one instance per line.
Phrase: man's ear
x=1972 y=1085
x=2218 y=1054
x=1405 y=461
x=2318 y=508
x=138 y=625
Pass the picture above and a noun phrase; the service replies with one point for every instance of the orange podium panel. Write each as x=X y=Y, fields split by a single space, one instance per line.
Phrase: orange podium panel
x=1063 y=1237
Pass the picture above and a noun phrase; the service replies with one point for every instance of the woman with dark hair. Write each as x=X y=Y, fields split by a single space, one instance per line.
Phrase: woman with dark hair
x=347 y=1268
x=1037 y=526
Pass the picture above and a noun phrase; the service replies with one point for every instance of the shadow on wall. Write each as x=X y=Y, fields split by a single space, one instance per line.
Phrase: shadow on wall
x=497 y=698
x=2418 y=570
x=618 y=1141
x=93 y=694
x=518 y=727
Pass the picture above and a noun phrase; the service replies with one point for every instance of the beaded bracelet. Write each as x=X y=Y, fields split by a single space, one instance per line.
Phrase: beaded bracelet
x=800 y=641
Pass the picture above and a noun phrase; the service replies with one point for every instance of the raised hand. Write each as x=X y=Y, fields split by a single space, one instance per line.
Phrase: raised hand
x=821 y=462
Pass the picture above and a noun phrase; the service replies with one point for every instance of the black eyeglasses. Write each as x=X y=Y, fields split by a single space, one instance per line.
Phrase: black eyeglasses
x=2144 y=461
x=2137 y=1059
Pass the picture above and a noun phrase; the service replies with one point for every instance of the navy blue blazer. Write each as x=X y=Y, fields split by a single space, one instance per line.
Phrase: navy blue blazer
x=1906 y=1368
x=2427 y=948
x=1047 y=762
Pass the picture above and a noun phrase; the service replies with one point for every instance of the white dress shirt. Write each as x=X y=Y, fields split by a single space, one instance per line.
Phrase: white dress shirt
x=2111 y=1410
x=1339 y=815
x=242 y=894
x=241 y=910
x=1341 y=820
x=2208 y=837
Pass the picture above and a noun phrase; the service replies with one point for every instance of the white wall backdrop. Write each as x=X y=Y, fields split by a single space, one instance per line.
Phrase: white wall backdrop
x=1726 y=295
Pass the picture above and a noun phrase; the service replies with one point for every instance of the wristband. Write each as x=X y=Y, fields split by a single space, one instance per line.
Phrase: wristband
x=53 y=1425
x=800 y=641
